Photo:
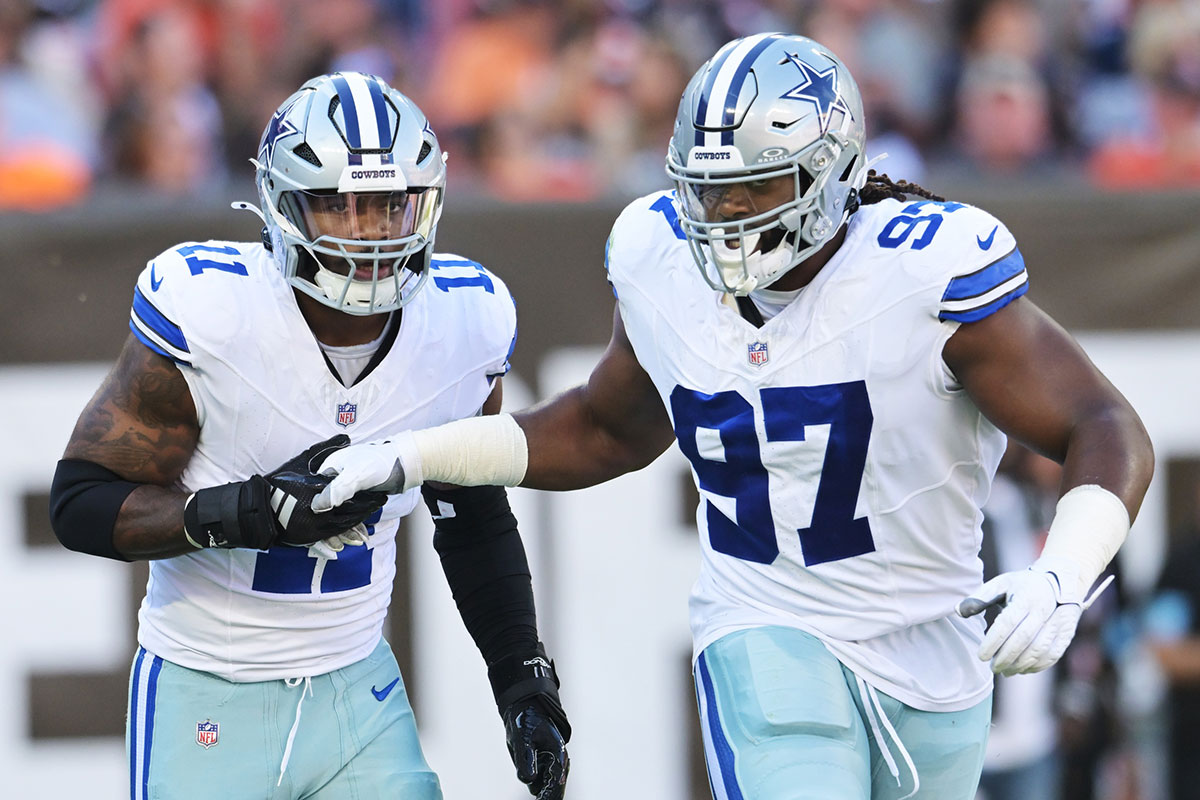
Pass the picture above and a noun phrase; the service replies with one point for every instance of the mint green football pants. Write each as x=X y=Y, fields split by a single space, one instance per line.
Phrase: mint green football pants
x=784 y=720
x=345 y=735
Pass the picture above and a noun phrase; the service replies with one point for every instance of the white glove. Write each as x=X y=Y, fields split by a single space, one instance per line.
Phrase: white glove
x=378 y=466
x=1039 y=616
x=329 y=548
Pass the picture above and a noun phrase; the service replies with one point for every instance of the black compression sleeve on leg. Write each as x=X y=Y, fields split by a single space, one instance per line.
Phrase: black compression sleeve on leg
x=85 y=499
x=485 y=565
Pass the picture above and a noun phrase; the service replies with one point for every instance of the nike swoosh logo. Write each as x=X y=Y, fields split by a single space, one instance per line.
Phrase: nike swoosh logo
x=154 y=282
x=986 y=244
x=381 y=694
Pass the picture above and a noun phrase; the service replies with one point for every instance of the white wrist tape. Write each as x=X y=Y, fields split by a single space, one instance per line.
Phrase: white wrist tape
x=1090 y=524
x=480 y=451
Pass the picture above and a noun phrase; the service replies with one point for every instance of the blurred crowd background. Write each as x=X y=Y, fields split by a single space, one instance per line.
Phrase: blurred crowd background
x=575 y=100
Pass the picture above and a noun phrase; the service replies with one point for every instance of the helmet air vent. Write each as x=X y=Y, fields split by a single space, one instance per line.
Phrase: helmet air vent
x=426 y=148
x=303 y=151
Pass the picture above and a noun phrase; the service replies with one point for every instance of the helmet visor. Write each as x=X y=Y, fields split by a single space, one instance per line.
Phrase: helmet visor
x=375 y=217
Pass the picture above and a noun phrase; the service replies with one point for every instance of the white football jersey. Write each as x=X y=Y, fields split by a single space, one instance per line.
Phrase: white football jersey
x=263 y=393
x=841 y=469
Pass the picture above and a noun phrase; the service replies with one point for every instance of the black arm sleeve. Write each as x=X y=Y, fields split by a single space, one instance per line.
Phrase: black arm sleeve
x=85 y=499
x=485 y=565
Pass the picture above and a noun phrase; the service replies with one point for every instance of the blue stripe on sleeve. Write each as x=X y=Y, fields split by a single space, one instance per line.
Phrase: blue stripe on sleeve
x=153 y=319
x=978 y=313
x=984 y=280
x=720 y=743
x=153 y=345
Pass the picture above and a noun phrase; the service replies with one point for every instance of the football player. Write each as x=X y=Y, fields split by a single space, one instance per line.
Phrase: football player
x=840 y=357
x=261 y=669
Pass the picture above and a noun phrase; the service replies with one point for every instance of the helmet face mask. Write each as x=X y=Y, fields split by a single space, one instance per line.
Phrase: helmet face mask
x=351 y=183
x=765 y=108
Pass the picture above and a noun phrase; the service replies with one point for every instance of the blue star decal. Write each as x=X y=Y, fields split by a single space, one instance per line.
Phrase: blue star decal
x=277 y=128
x=820 y=89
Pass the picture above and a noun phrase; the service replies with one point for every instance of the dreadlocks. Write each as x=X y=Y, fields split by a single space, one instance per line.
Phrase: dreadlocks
x=881 y=187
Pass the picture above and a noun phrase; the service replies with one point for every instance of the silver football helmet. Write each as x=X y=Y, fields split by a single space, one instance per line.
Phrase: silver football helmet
x=351 y=182
x=767 y=157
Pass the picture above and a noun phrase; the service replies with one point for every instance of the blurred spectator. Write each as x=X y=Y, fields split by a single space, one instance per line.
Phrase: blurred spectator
x=1003 y=123
x=1008 y=118
x=574 y=100
x=47 y=143
x=485 y=75
x=1165 y=52
x=895 y=51
x=1172 y=622
x=166 y=126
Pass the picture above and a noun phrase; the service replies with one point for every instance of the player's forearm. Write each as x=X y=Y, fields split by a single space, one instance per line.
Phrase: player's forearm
x=95 y=511
x=1111 y=448
x=150 y=525
x=570 y=447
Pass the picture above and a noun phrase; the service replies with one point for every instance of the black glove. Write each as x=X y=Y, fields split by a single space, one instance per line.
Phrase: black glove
x=276 y=508
x=536 y=727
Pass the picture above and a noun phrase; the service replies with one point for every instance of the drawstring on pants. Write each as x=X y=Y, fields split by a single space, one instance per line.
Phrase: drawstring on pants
x=876 y=715
x=287 y=750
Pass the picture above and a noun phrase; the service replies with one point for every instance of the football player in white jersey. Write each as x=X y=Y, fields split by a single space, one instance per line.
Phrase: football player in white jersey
x=840 y=364
x=262 y=670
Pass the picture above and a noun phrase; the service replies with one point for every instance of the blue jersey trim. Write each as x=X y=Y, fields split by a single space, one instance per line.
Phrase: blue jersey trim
x=985 y=279
x=154 y=319
x=980 y=312
x=155 y=346
x=725 y=756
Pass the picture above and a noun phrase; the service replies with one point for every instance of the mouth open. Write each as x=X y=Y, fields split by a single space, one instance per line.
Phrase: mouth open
x=368 y=273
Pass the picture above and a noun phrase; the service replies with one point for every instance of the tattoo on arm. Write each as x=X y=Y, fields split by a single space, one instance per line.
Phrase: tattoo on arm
x=141 y=423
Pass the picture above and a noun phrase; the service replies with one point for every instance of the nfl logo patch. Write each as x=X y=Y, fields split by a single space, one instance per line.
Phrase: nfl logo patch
x=757 y=353
x=206 y=733
x=347 y=413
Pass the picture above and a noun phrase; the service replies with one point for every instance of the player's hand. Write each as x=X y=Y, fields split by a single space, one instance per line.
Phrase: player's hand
x=265 y=510
x=537 y=732
x=373 y=466
x=1041 y=611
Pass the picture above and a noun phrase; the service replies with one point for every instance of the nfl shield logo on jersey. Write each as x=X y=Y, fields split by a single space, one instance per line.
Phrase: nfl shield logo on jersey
x=206 y=733
x=347 y=414
x=757 y=353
